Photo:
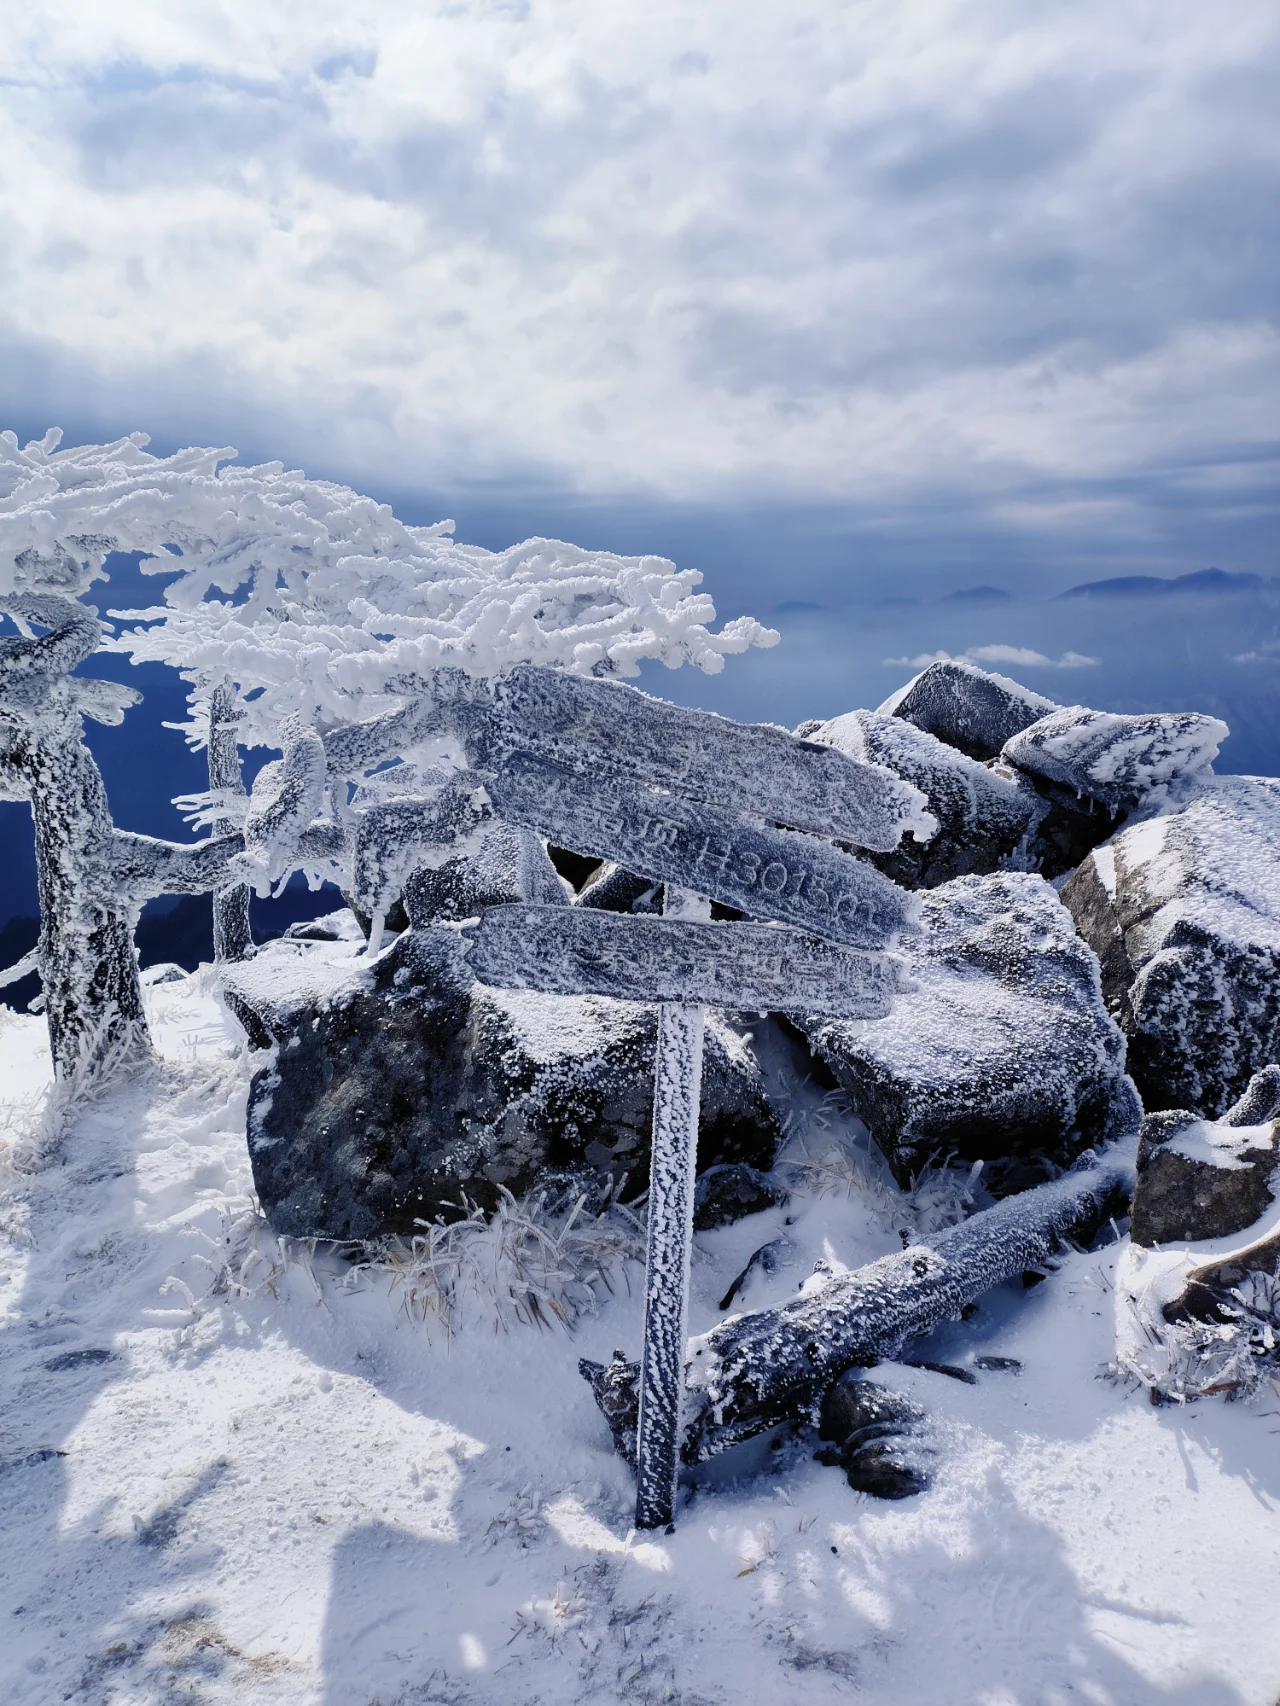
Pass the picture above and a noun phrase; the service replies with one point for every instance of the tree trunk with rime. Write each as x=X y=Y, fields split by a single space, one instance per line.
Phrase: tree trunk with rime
x=93 y=999
x=232 y=937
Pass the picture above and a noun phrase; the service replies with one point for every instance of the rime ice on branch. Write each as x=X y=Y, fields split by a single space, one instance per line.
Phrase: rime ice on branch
x=307 y=618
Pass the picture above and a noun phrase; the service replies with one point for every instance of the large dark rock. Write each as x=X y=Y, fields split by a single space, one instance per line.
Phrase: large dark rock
x=509 y=865
x=999 y=1049
x=398 y=1089
x=881 y=1438
x=969 y=708
x=1183 y=912
x=612 y=888
x=1202 y=1179
x=986 y=819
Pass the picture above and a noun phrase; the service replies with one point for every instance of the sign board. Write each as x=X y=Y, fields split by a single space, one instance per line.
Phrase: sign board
x=753 y=968
x=752 y=768
x=688 y=800
x=767 y=873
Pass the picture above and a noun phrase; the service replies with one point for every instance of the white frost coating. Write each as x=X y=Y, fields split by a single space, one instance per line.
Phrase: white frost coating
x=1213 y=864
x=287 y=795
x=335 y=600
x=960 y=666
x=1114 y=758
x=969 y=802
x=1104 y=864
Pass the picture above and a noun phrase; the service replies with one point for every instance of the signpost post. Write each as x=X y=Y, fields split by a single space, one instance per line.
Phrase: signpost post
x=690 y=801
x=673 y=1162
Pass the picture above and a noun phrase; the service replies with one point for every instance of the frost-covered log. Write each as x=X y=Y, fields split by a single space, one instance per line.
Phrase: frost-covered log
x=755 y=1370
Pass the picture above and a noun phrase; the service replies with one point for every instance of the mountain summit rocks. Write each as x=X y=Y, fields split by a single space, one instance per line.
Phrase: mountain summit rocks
x=1183 y=912
x=401 y=1087
x=999 y=1047
x=971 y=709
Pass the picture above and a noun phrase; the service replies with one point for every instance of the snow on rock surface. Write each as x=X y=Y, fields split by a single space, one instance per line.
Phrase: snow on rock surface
x=406 y=1087
x=1208 y=1178
x=985 y=819
x=1115 y=759
x=1183 y=912
x=972 y=709
x=1002 y=1051
x=280 y=1489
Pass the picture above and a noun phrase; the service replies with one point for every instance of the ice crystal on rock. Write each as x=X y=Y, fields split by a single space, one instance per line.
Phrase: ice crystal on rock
x=1183 y=912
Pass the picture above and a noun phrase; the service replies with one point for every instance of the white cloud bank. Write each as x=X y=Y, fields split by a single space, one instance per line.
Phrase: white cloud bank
x=990 y=656
x=874 y=253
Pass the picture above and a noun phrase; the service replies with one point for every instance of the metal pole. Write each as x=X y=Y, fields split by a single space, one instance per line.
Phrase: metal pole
x=676 y=1093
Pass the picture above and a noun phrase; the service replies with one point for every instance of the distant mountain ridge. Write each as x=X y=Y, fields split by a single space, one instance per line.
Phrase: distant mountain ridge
x=979 y=595
x=1157 y=586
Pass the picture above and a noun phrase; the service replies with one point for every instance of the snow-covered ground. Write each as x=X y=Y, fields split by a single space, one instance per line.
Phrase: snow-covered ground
x=229 y=1473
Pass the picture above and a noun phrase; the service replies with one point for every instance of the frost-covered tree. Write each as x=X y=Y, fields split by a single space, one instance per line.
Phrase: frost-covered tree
x=306 y=618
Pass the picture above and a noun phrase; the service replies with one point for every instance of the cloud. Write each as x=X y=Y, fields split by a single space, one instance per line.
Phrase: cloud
x=1020 y=656
x=1020 y=258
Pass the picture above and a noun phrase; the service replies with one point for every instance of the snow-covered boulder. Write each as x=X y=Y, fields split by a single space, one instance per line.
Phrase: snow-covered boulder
x=1120 y=761
x=509 y=865
x=1183 y=911
x=1202 y=1179
x=398 y=1088
x=971 y=709
x=985 y=819
x=1000 y=1049
x=612 y=888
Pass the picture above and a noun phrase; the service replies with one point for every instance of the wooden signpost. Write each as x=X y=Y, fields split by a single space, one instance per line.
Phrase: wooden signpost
x=694 y=802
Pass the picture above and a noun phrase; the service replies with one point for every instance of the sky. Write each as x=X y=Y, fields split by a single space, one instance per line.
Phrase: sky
x=1011 y=267
x=842 y=304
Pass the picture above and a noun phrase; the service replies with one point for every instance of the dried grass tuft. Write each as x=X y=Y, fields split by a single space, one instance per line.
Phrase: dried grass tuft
x=1236 y=1358
x=535 y=1261
x=828 y=1150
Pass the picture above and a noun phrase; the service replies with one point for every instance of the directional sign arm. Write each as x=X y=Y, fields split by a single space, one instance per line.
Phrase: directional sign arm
x=753 y=968
x=746 y=767
x=766 y=873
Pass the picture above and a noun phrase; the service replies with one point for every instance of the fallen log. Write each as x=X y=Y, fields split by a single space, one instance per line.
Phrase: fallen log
x=755 y=1370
